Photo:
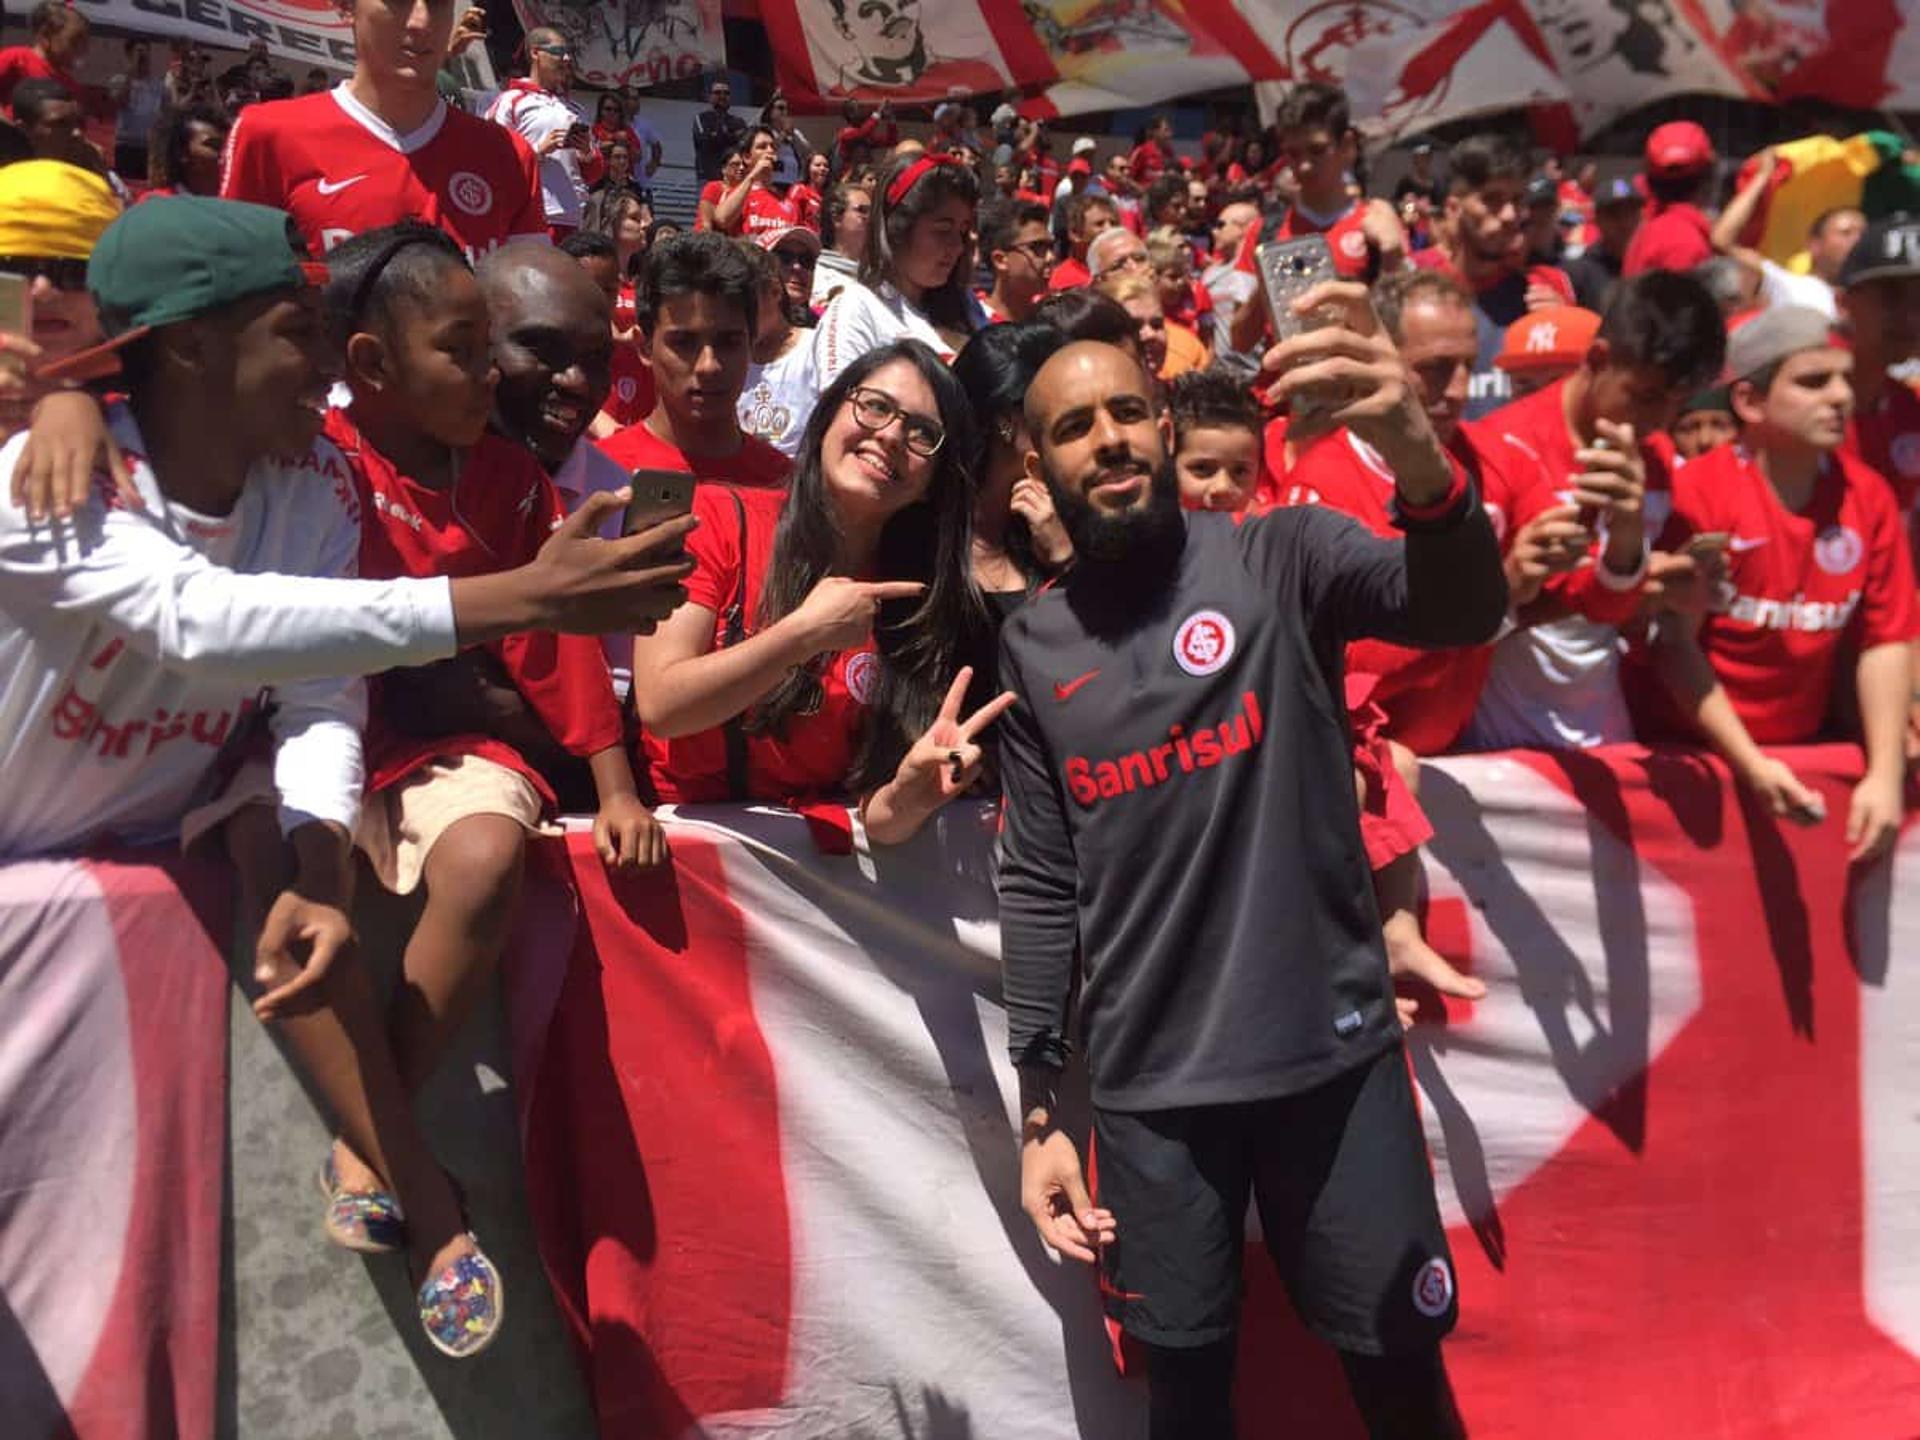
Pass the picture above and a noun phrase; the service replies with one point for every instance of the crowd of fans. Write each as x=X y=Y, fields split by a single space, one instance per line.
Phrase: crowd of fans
x=1700 y=467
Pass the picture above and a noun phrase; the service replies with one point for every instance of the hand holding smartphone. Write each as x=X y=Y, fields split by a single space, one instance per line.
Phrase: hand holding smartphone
x=658 y=496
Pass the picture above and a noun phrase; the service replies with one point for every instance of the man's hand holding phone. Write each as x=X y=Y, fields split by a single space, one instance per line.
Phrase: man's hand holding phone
x=1355 y=359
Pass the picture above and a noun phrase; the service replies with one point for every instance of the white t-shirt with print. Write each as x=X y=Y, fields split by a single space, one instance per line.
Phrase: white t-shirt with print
x=779 y=397
x=861 y=318
x=133 y=642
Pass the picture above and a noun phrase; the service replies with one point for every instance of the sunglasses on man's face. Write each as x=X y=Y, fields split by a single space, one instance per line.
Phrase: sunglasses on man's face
x=795 y=259
x=68 y=275
x=556 y=52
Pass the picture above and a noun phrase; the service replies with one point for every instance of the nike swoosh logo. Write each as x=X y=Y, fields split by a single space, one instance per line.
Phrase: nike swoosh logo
x=334 y=187
x=1740 y=544
x=1065 y=689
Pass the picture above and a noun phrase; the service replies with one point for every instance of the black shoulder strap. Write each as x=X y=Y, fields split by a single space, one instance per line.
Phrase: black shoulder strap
x=734 y=621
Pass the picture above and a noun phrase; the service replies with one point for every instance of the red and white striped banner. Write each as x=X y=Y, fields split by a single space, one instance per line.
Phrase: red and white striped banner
x=113 y=1073
x=771 y=1138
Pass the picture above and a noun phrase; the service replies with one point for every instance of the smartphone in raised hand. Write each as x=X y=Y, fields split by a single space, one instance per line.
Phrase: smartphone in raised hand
x=658 y=496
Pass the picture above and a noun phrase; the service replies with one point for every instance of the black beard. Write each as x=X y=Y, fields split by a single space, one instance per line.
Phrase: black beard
x=1138 y=540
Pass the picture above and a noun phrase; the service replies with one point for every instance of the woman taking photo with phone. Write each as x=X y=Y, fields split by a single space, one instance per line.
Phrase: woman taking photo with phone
x=818 y=653
x=913 y=277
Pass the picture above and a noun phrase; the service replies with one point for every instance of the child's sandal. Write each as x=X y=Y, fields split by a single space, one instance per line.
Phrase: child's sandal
x=462 y=1306
x=367 y=1221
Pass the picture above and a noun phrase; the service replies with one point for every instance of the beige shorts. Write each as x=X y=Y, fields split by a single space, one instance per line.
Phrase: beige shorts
x=252 y=784
x=399 y=825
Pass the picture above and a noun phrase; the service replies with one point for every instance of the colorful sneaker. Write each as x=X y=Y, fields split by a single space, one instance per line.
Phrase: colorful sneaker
x=461 y=1307
x=368 y=1221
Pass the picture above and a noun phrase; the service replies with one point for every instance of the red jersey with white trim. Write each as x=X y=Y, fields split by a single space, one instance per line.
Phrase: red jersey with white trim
x=496 y=516
x=1887 y=439
x=630 y=397
x=1801 y=589
x=1536 y=425
x=815 y=755
x=340 y=170
x=1427 y=695
x=1352 y=257
x=756 y=465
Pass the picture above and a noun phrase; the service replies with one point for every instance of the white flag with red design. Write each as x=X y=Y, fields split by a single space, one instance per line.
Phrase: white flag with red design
x=771 y=1132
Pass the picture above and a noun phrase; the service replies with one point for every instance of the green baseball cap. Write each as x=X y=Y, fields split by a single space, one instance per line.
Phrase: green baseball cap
x=180 y=256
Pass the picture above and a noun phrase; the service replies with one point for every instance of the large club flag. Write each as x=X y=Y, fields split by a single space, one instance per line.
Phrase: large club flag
x=828 y=51
x=634 y=42
x=1113 y=54
x=771 y=1141
x=113 y=1070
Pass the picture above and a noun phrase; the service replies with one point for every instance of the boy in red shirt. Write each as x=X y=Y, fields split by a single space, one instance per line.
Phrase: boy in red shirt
x=1676 y=234
x=1880 y=297
x=1320 y=144
x=1819 y=581
x=697 y=305
x=60 y=35
x=382 y=147
x=1087 y=215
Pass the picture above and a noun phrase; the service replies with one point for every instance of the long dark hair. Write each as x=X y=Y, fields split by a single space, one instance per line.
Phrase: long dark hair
x=887 y=230
x=995 y=368
x=919 y=641
x=167 y=158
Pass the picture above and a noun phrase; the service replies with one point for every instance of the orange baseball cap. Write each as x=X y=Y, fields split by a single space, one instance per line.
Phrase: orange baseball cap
x=1557 y=335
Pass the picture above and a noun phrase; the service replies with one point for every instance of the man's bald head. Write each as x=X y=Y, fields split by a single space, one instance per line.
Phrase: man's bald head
x=525 y=266
x=1079 y=370
x=553 y=342
x=1101 y=445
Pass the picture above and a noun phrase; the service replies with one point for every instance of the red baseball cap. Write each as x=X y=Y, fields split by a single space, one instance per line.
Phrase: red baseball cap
x=1677 y=148
x=1079 y=166
x=1555 y=335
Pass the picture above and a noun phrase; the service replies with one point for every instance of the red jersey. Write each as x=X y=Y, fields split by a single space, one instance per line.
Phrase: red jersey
x=756 y=465
x=766 y=211
x=1352 y=257
x=630 y=398
x=340 y=170
x=1147 y=162
x=1536 y=425
x=495 y=517
x=23 y=62
x=1069 y=274
x=1887 y=438
x=710 y=194
x=1801 y=587
x=1672 y=237
x=807 y=203
x=1427 y=696
x=815 y=755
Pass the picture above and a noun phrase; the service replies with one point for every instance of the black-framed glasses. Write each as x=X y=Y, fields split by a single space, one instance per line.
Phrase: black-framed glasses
x=874 y=410
x=1038 y=251
x=63 y=274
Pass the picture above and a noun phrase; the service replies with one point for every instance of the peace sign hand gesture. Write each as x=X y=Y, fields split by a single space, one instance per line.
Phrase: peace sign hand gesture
x=943 y=762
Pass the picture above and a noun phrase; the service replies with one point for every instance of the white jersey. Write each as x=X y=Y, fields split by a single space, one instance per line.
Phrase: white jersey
x=1555 y=685
x=534 y=114
x=860 y=319
x=135 y=642
x=778 y=398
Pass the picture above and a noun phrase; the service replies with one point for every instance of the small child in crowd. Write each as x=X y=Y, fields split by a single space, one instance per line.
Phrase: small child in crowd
x=1216 y=440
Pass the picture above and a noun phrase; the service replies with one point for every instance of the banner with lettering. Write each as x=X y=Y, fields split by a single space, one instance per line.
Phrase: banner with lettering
x=634 y=42
x=313 y=31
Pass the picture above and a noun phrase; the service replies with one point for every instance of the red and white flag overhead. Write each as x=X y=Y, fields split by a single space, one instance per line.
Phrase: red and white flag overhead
x=828 y=50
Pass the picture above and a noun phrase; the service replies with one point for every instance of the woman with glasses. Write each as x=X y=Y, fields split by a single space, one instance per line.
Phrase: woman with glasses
x=819 y=651
x=794 y=150
x=913 y=281
x=781 y=387
x=536 y=108
x=51 y=213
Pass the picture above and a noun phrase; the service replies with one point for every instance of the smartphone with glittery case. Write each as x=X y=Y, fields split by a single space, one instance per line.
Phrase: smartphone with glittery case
x=1288 y=270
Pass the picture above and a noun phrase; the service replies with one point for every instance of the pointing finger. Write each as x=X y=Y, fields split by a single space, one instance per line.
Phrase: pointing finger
x=892 y=589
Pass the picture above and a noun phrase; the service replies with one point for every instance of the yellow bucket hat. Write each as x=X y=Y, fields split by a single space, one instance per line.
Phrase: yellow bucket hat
x=51 y=210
